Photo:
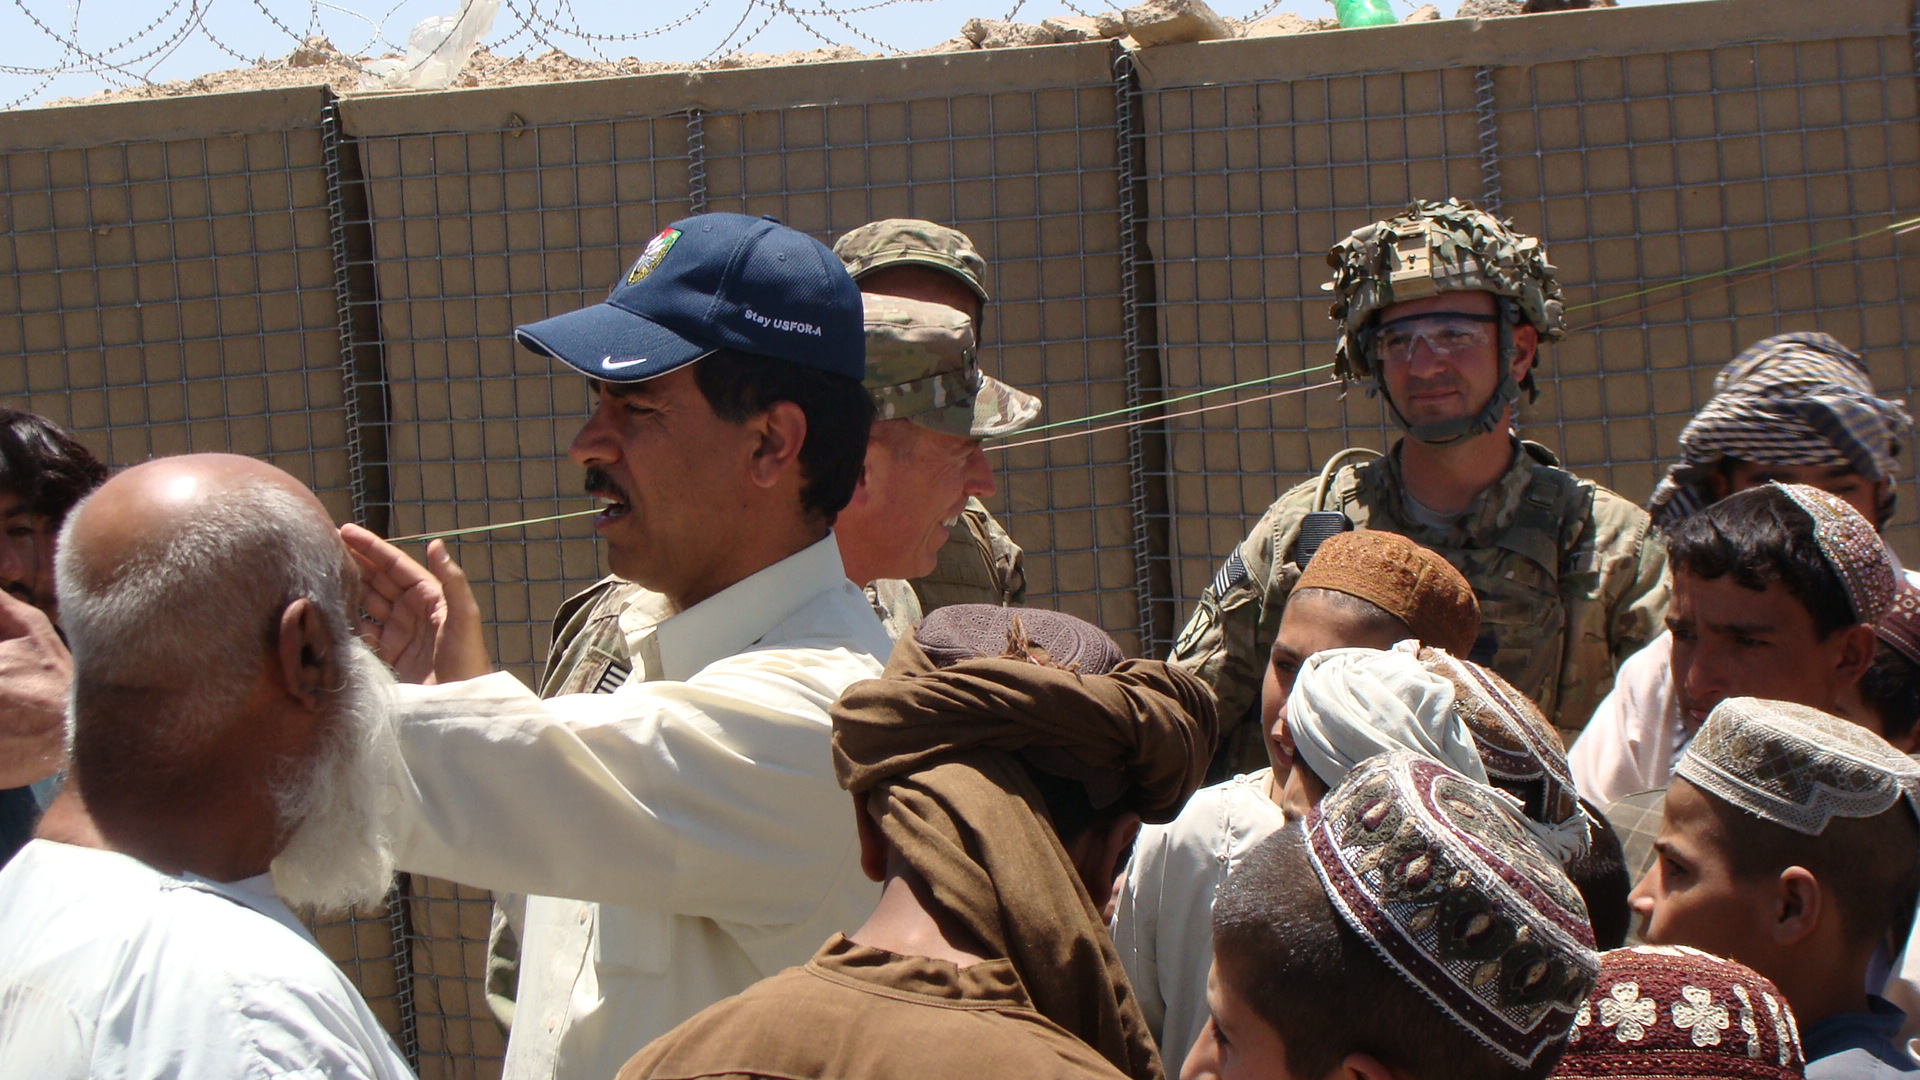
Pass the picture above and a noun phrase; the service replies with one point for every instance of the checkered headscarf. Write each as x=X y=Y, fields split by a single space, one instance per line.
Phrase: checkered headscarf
x=1794 y=399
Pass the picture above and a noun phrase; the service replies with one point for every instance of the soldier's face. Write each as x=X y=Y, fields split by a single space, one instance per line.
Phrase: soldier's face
x=1428 y=386
x=1310 y=623
x=916 y=484
x=1733 y=641
x=1840 y=480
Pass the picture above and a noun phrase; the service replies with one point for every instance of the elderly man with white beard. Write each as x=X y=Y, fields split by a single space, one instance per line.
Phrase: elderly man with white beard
x=230 y=736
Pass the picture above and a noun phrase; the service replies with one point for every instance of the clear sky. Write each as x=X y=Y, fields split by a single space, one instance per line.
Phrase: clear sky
x=60 y=48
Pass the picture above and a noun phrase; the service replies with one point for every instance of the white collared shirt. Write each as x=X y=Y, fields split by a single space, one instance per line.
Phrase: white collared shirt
x=691 y=816
x=111 y=969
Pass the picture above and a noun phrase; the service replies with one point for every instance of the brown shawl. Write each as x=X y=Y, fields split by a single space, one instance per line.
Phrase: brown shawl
x=940 y=749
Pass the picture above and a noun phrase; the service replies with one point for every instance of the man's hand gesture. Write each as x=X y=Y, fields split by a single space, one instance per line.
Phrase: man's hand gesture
x=423 y=620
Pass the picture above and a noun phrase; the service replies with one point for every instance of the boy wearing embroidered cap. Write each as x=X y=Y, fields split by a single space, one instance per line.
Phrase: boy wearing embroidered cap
x=924 y=461
x=1775 y=593
x=921 y=260
x=673 y=810
x=1410 y=927
x=1795 y=408
x=1789 y=843
x=1659 y=1012
x=1362 y=589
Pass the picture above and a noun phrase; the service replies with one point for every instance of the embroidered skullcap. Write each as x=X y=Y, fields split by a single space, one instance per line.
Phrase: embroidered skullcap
x=1441 y=877
x=1796 y=766
x=1668 y=1011
x=1899 y=627
x=1521 y=751
x=1851 y=546
x=1409 y=582
x=1348 y=705
x=1794 y=399
x=974 y=631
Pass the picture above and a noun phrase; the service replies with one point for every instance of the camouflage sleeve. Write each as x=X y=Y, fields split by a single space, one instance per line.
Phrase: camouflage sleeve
x=979 y=564
x=1619 y=612
x=1227 y=639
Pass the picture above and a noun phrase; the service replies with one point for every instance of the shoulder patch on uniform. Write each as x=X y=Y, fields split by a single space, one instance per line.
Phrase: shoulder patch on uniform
x=1232 y=572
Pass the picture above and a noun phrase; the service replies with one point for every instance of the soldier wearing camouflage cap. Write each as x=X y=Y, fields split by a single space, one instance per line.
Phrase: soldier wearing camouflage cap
x=932 y=406
x=1441 y=310
x=922 y=260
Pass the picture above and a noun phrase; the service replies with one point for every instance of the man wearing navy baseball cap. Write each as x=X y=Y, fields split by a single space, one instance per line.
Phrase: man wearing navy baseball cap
x=679 y=789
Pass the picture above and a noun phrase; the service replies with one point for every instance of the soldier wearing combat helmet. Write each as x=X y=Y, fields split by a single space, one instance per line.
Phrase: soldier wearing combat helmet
x=1441 y=311
x=922 y=260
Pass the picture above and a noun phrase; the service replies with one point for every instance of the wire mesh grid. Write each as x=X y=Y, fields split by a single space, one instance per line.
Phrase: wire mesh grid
x=1637 y=171
x=1030 y=177
x=187 y=295
x=172 y=297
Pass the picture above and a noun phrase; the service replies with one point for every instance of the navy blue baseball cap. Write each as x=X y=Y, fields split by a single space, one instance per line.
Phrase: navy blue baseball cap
x=710 y=282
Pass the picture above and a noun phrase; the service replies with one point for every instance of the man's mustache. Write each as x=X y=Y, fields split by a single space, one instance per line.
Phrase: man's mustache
x=599 y=483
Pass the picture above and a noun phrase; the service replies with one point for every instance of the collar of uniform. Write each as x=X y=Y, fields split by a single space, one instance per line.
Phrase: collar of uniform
x=1485 y=520
x=675 y=647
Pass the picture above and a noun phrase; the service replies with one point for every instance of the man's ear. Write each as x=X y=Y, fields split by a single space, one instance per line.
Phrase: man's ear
x=873 y=841
x=1799 y=905
x=308 y=666
x=1526 y=349
x=1857 y=647
x=1101 y=854
x=780 y=431
x=1365 y=1067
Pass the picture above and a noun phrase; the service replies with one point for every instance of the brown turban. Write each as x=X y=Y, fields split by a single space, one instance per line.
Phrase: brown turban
x=1409 y=582
x=943 y=754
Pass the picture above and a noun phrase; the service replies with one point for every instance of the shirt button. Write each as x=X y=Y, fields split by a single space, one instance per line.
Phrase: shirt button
x=581 y=918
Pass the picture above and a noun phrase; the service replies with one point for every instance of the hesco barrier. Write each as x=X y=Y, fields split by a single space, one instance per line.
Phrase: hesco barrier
x=330 y=284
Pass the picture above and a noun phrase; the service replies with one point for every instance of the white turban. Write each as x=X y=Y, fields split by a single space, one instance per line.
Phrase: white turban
x=1349 y=704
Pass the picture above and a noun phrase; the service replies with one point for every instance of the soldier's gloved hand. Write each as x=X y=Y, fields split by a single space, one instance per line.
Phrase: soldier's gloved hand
x=36 y=673
x=422 y=620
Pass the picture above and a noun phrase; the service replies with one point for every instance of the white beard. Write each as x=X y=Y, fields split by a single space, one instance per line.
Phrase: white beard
x=339 y=853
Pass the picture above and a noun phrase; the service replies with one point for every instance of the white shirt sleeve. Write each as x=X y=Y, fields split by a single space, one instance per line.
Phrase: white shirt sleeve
x=669 y=796
x=1627 y=747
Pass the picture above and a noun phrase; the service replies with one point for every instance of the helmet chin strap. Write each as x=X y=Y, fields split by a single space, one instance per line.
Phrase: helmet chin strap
x=1445 y=432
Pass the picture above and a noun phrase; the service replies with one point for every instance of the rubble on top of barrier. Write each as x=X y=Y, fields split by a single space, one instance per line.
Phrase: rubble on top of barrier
x=1147 y=24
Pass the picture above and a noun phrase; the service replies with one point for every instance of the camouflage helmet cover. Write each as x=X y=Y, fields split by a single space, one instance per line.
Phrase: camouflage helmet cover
x=1434 y=248
x=921 y=366
x=911 y=241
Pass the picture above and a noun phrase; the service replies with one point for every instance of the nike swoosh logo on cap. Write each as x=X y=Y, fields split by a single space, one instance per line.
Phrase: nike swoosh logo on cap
x=610 y=364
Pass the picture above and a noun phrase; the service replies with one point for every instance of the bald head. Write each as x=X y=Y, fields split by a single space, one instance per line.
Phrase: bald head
x=176 y=582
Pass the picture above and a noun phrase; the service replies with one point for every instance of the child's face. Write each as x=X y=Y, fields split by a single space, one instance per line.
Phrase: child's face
x=1307 y=626
x=1236 y=1044
x=1691 y=896
x=1732 y=641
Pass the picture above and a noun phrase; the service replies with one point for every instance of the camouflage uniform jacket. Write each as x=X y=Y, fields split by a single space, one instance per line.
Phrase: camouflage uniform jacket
x=1570 y=576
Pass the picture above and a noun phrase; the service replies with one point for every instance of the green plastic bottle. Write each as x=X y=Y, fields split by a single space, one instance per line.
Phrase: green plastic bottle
x=1352 y=13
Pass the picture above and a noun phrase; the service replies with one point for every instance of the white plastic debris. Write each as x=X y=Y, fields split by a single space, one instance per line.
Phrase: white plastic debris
x=437 y=50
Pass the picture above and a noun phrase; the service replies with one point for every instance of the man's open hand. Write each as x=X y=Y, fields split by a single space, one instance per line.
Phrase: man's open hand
x=36 y=675
x=422 y=620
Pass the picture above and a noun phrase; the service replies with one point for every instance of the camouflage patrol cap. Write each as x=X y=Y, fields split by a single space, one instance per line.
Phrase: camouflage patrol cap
x=1430 y=249
x=911 y=241
x=921 y=366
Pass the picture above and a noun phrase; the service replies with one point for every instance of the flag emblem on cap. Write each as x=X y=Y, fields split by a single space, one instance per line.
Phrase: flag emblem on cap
x=649 y=259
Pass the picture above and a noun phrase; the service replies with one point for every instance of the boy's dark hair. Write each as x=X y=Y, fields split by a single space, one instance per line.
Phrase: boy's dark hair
x=1602 y=878
x=1281 y=946
x=43 y=466
x=1891 y=688
x=1870 y=866
x=839 y=416
x=1762 y=537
